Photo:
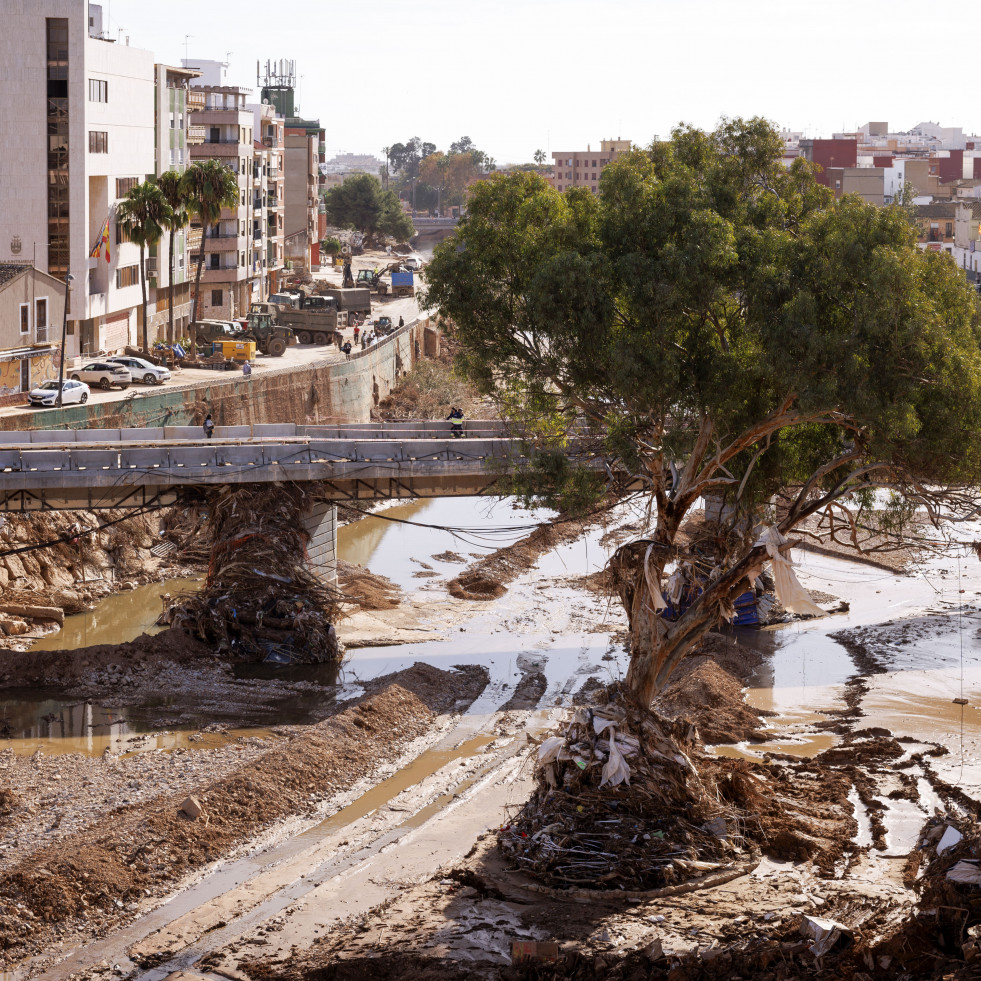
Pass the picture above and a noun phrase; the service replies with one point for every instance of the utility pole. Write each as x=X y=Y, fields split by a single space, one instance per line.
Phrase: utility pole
x=64 y=337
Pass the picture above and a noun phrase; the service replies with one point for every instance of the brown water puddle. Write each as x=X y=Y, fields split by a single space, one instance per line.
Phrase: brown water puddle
x=118 y=618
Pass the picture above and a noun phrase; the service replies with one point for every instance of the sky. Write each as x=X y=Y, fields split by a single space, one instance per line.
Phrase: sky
x=520 y=75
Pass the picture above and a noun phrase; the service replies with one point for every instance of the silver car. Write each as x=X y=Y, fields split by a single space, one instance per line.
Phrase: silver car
x=142 y=370
x=104 y=374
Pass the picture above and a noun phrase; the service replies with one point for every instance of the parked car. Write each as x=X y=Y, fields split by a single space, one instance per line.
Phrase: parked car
x=104 y=374
x=413 y=263
x=142 y=370
x=72 y=393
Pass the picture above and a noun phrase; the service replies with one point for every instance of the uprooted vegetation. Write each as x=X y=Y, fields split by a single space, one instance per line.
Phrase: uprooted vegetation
x=261 y=599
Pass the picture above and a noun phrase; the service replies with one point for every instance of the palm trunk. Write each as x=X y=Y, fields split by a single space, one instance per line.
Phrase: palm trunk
x=146 y=347
x=170 y=286
x=197 y=291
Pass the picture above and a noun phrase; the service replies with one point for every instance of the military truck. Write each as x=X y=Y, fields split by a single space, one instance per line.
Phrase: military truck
x=270 y=337
x=350 y=300
x=316 y=324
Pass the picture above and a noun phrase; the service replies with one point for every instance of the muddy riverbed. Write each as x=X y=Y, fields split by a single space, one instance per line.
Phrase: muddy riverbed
x=862 y=700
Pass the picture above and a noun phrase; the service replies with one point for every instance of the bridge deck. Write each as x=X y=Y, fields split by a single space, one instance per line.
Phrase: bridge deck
x=92 y=469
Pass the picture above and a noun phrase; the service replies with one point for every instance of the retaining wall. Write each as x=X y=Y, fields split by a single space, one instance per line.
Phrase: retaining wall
x=326 y=391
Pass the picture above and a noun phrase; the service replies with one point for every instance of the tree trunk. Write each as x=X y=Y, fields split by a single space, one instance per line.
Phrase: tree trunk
x=170 y=286
x=197 y=291
x=146 y=348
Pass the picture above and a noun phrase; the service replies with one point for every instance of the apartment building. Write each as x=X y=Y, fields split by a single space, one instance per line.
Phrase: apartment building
x=305 y=152
x=583 y=168
x=81 y=136
x=228 y=273
x=270 y=182
x=174 y=105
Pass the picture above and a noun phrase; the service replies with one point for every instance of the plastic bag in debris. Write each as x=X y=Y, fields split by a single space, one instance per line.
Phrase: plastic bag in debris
x=824 y=933
x=549 y=750
x=792 y=595
x=657 y=600
x=599 y=723
x=966 y=872
x=950 y=838
x=615 y=769
x=676 y=586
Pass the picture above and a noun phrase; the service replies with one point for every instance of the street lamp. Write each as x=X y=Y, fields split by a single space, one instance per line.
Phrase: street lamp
x=64 y=338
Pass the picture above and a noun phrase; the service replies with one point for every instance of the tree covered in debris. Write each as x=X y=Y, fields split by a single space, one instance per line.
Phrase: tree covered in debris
x=732 y=330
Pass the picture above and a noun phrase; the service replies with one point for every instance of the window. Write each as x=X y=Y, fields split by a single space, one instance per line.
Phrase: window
x=127 y=276
x=41 y=312
x=241 y=258
x=98 y=90
x=213 y=261
x=98 y=141
x=216 y=298
x=594 y=174
x=215 y=135
x=560 y=187
x=124 y=185
x=594 y=163
x=25 y=318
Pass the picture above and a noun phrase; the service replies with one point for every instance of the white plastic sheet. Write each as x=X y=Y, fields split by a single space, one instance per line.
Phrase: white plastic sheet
x=792 y=595
x=950 y=838
x=615 y=769
x=965 y=872
x=657 y=600
x=549 y=750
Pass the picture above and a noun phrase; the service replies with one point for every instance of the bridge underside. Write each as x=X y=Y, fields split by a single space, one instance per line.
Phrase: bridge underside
x=46 y=495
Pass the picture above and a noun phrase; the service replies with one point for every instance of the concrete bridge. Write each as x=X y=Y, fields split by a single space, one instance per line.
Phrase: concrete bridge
x=92 y=469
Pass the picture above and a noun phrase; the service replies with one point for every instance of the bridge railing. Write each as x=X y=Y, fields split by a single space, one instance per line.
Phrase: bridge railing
x=418 y=429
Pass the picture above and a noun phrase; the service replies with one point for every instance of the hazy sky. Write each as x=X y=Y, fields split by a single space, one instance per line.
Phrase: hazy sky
x=516 y=75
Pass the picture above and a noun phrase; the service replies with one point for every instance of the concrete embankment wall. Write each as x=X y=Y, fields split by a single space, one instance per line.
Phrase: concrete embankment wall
x=334 y=391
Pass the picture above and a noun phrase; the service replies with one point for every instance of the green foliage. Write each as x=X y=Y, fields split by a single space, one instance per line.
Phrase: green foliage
x=142 y=215
x=330 y=245
x=729 y=328
x=361 y=204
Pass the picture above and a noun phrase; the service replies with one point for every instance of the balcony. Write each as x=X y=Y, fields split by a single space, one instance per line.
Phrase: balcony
x=211 y=148
x=47 y=334
x=227 y=274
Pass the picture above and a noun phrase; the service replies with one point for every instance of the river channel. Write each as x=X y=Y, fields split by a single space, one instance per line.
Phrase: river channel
x=928 y=652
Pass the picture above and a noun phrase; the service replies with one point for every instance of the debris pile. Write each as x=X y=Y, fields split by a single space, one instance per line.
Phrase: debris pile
x=619 y=805
x=260 y=601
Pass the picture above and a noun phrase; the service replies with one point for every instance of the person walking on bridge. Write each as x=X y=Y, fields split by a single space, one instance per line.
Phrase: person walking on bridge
x=209 y=426
x=456 y=422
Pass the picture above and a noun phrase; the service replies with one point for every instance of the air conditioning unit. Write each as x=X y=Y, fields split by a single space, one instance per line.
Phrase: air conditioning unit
x=151 y=267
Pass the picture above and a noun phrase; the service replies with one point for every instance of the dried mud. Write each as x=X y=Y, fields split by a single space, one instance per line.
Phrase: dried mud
x=92 y=878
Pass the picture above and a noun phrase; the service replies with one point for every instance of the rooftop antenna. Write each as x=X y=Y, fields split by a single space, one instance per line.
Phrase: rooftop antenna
x=187 y=37
x=224 y=64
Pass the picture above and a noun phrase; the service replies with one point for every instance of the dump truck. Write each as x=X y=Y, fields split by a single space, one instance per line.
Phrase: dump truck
x=403 y=284
x=319 y=324
x=270 y=337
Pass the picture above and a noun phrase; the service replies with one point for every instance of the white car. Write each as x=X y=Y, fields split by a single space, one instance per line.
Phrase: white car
x=72 y=393
x=413 y=263
x=142 y=370
x=104 y=374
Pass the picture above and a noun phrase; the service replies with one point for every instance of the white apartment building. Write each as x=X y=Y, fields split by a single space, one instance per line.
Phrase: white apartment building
x=78 y=133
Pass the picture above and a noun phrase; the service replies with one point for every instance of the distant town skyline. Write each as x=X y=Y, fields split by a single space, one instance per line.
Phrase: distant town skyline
x=543 y=74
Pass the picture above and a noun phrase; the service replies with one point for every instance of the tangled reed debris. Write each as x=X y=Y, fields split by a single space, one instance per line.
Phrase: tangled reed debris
x=261 y=601
x=618 y=804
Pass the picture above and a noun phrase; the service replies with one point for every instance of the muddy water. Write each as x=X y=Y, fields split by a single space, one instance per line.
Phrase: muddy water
x=117 y=619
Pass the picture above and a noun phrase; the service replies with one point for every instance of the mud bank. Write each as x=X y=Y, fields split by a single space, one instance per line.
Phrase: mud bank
x=95 y=876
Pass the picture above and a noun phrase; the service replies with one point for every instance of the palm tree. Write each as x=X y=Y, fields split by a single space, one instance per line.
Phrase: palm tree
x=540 y=158
x=170 y=183
x=142 y=215
x=208 y=186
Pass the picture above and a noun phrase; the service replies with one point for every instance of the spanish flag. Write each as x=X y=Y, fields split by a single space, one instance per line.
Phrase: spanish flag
x=103 y=240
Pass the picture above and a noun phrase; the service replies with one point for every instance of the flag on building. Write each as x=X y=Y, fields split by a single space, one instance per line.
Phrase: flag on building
x=103 y=241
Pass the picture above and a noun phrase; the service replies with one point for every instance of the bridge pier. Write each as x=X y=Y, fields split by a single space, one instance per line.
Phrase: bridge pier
x=319 y=521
